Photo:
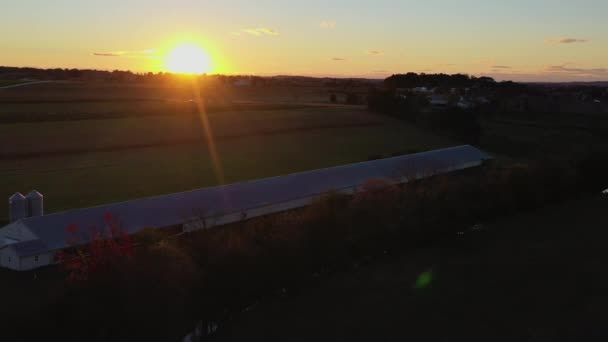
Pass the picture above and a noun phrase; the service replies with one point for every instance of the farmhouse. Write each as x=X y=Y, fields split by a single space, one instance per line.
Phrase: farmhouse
x=32 y=239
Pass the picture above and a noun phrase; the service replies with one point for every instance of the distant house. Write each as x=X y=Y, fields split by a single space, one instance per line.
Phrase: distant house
x=422 y=90
x=438 y=101
x=31 y=242
x=464 y=103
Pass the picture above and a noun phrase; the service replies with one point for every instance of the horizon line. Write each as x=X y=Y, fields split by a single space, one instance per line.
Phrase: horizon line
x=340 y=76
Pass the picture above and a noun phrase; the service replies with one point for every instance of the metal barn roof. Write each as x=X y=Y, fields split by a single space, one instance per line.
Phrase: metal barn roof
x=178 y=208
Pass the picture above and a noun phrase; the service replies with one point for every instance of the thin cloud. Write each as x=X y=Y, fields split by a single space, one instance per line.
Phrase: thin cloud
x=338 y=59
x=566 y=70
x=261 y=31
x=102 y=54
x=566 y=41
x=128 y=54
x=501 y=67
x=328 y=24
x=553 y=73
x=375 y=52
x=559 y=72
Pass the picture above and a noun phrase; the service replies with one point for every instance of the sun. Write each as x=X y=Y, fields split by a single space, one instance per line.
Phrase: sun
x=188 y=59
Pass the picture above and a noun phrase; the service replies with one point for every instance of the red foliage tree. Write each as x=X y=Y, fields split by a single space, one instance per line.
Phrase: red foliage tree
x=95 y=252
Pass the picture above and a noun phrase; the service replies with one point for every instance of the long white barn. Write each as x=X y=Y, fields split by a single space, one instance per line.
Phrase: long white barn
x=31 y=242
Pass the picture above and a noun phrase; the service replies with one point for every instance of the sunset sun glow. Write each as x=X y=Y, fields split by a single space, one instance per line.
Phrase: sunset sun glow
x=188 y=59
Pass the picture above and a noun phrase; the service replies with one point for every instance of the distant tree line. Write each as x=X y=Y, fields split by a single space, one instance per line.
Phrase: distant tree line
x=58 y=74
x=126 y=76
x=121 y=76
x=412 y=80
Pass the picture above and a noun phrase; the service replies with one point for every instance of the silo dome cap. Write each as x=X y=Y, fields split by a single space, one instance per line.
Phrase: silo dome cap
x=34 y=194
x=16 y=197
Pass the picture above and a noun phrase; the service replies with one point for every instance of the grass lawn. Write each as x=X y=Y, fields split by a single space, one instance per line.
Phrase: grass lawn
x=533 y=277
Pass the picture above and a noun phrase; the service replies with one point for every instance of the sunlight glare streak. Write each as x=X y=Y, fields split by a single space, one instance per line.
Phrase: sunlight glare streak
x=210 y=140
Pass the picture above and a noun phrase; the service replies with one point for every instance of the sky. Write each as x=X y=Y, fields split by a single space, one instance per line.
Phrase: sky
x=532 y=40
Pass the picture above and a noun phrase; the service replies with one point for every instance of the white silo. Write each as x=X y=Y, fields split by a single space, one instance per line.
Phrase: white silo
x=17 y=207
x=35 y=204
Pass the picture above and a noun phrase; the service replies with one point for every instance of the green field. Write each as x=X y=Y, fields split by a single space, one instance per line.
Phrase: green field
x=563 y=136
x=103 y=91
x=56 y=136
x=81 y=163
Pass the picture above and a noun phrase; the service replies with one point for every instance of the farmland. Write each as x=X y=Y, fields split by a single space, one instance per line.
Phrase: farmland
x=560 y=136
x=8 y=83
x=119 y=143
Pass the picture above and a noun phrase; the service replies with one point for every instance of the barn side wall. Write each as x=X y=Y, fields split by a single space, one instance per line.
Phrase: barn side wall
x=30 y=262
x=9 y=259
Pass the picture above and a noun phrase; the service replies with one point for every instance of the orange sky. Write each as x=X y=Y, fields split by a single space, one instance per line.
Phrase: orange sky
x=534 y=40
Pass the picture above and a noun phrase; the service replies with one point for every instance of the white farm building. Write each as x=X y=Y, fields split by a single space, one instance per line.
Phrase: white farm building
x=31 y=239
